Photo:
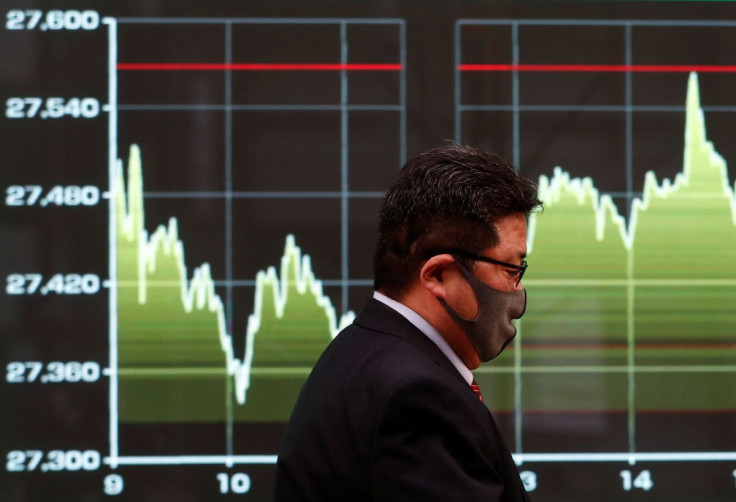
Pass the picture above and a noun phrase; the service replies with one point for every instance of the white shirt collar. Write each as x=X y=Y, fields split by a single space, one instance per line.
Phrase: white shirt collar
x=429 y=331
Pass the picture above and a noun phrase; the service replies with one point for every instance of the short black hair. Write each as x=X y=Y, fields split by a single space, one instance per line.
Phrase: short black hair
x=447 y=197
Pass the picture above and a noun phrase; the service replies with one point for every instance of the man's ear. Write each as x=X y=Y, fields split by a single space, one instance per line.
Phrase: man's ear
x=433 y=274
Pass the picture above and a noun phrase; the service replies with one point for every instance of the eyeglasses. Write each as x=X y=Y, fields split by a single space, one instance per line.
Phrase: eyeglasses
x=467 y=254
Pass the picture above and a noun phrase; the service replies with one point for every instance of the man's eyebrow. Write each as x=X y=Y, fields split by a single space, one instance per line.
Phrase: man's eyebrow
x=511 y=257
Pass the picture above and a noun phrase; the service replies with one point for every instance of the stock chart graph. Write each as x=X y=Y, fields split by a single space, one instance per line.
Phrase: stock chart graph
x=177 y=361
x=173 y=347
x=201 y=221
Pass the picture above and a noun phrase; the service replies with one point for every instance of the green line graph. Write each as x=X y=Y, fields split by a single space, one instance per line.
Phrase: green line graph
x=654 y=297
x=176 y=360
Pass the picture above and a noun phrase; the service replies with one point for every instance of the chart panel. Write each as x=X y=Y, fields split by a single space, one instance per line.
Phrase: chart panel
x=627 y=350
x=177 y=359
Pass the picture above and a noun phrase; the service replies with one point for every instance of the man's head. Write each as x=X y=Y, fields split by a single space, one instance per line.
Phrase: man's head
x=452 y=198
x=447 y=197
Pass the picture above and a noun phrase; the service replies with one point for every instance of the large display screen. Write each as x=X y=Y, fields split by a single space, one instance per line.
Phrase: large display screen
x=191 y=195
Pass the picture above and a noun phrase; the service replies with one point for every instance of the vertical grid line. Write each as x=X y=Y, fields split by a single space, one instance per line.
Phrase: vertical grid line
x=112 y=138
x=402 y=94
x=458 y=91
x=630 y=335
x=229 y=175
x=629 y=125
x=344 y=164
x=515 y=86
x=229 y=228
x=517 y=340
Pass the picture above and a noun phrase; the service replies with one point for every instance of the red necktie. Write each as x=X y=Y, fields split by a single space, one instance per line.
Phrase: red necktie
x=476 y=389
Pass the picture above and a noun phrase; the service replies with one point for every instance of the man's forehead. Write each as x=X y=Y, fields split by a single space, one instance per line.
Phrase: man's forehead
x=511 y=232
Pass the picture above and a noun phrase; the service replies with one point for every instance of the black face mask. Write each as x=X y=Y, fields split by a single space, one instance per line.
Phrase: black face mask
x=491 y=329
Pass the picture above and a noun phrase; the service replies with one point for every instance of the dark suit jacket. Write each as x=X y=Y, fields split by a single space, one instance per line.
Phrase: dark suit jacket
x=385 y=416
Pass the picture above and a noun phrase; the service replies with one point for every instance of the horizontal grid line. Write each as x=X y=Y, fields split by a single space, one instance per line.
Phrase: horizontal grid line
x=269 y=371
x=598 y=22
x=192 y=459
x=626 y=282
x=267 y=67
x=325 y=282
x=589 y=108
x=530 y=282
x=291 y=370
x=261 y=195
x=236 y=283
x=263 y=107
x=625 y=457
x=250 y=20
x=302 y=195
x=712 y=456
x=609 y=369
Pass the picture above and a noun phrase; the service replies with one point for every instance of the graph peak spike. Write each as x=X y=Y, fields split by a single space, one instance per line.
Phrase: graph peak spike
x=704 y=175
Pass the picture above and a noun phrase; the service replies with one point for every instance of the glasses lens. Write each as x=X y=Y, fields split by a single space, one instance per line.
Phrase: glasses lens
x=524 y=265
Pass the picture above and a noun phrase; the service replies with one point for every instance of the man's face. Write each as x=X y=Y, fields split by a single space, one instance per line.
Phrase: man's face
x=511 y=249
x=459 y=294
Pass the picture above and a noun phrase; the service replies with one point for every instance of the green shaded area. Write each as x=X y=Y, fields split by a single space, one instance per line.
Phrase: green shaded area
x=175 y=358
x=656 y=296
x=155 y=329
x=498 y=390
x=270 y=399
x=687 y=233
x=575 y=392
x=299 y=335
x=294 y=327
x=149 y=398
x=685 y=391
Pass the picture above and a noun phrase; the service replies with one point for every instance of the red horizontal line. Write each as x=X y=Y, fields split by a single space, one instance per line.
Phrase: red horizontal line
x=643 y=346
x=684 y=346
x=600 y=68
x=258 y=67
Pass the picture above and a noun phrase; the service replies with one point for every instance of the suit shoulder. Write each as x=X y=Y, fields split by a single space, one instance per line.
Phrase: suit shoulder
x=375 y=352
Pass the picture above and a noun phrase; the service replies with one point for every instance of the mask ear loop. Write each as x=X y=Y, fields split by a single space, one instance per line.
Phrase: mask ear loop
x=488 y=327
x=471 y=279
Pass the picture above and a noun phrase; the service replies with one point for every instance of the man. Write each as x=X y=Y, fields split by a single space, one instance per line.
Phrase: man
x=391 y=410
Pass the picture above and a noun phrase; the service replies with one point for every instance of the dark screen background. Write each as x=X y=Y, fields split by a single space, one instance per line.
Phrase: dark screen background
x=297 y=156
